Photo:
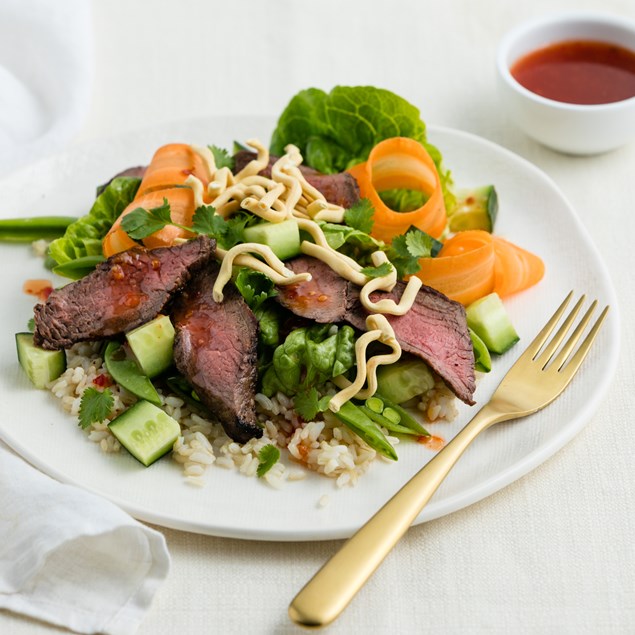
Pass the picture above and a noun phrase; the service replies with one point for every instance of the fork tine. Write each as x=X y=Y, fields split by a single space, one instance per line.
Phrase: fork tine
x=582 y=352
x=552 y=346
x=541 y=338
x=561 y=357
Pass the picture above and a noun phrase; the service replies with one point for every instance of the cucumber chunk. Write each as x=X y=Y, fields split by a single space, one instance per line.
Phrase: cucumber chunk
x=127 y=374
x=475 y=209
x=145 y=431
x=283 y=238
x=488 y=318
x=152 y=345
x=40 y=365
x=404 y=380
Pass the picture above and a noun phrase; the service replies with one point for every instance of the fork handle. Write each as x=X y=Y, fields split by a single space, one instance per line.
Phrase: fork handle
x=330 y=590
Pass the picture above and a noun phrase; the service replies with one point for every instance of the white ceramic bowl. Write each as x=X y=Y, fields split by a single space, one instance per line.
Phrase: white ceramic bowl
x=570 y=128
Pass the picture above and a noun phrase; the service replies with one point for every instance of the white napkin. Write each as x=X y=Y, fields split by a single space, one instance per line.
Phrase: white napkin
x=46 y=68
x=71 y=558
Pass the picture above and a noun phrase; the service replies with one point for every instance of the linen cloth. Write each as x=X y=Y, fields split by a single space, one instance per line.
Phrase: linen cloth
x=72 y=558
x=46 y=71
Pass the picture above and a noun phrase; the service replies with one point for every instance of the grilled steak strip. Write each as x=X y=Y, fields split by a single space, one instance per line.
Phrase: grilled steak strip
x=435 y=329
x=339 y=189
x=122 y=293
x=215 y=348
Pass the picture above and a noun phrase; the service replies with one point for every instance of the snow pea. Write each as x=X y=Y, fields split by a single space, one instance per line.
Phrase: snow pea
x=128 y=375
x=356 y=419
x=33 y=228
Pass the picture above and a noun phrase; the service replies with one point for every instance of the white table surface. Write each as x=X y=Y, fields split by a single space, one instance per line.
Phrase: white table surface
x=552 y=553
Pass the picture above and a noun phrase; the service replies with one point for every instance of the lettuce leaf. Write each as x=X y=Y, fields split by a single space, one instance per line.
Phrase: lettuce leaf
x=308 y=357
x=83 y=237
x=337 y=130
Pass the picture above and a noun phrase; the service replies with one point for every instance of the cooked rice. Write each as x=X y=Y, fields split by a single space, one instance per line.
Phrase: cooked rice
x=324 y=446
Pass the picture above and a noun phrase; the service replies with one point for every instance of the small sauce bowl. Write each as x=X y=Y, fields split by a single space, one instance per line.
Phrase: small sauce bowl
x=567 y=127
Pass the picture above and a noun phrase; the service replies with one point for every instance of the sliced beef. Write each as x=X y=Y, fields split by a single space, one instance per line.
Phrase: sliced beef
x=435 y=329
x=215 y=348
x=322 y=299
x=339 y=189
x=122 y=293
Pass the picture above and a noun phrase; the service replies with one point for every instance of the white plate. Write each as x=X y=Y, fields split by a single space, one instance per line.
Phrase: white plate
x=533 y=214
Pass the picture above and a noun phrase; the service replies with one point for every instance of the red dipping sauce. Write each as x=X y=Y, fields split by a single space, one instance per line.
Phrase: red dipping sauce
x=578 y=72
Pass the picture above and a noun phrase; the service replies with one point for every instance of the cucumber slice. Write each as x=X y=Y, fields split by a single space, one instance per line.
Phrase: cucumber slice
x=127 y=374
x=152 y=345
x=40 y=365
x=488 y=318
x=404 y=380
x=482 y=358
x=283 y=238
x=145 y=431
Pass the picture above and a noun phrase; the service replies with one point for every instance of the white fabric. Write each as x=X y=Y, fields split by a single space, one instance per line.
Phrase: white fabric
x=46 y=69
x=72 y=558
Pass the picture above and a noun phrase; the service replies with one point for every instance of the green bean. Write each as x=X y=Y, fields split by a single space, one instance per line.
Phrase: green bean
x=21 y=230
x=406 y=418
x=356 y=419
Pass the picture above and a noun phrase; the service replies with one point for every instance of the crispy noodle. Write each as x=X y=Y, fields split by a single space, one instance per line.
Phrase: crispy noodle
x=379 y=329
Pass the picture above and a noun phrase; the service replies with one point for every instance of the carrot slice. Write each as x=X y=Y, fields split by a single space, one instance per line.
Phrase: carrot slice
x=515 y=269
x=182 y=206
x=464 y=268
x=401 y=163
x=170 y=166
x=474 y=263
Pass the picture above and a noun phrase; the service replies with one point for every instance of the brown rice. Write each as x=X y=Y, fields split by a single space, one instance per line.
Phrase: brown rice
x=324 y=446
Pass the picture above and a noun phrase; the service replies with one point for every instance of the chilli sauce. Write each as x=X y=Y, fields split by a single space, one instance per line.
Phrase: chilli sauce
x=578 y=72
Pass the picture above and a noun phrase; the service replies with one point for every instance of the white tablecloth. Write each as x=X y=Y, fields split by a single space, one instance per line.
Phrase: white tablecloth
x=552 y=553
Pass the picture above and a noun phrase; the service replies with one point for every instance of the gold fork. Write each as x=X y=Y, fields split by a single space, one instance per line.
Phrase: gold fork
x=540 y=374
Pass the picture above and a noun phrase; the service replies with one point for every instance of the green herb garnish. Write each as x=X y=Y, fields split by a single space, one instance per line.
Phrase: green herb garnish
x=267 y=458
x=95 y=406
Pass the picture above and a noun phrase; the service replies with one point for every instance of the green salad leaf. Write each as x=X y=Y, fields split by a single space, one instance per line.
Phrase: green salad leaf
x=308 y=357
x=377 y=272
x=83 y=237
x=403 y=200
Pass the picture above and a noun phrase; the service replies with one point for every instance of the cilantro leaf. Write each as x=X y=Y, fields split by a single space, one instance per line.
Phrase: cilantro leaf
x=419 y=244
x=95 y=406
x=222 y=158
x=140 y=223
x=307 y=403
x=31 y=325
x=254 y=286
x=267 y=458
x=377 y=272
x=207 y=221
x=405 y=251
x=360 y=216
